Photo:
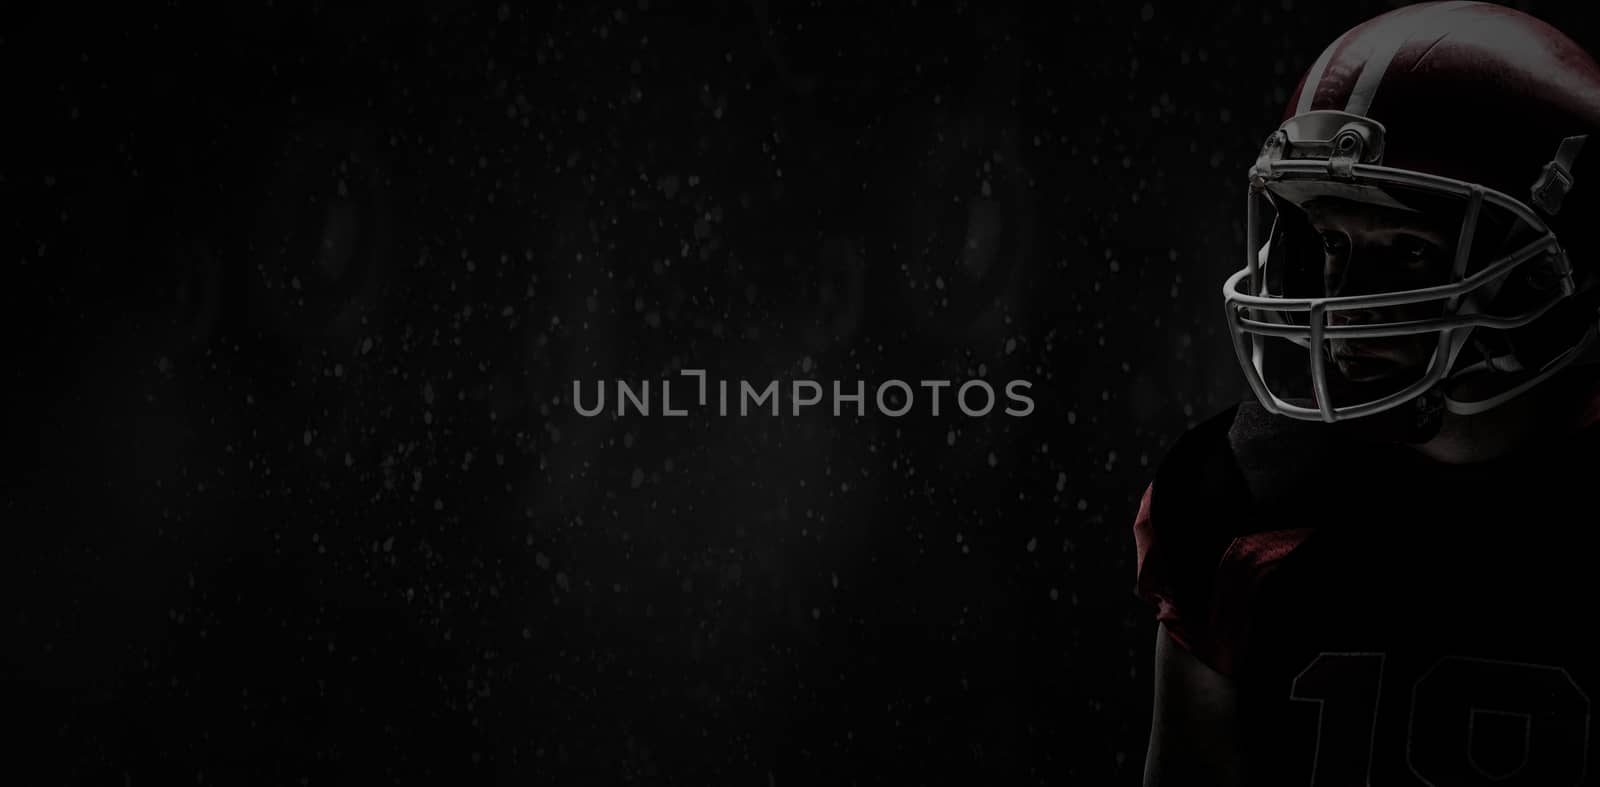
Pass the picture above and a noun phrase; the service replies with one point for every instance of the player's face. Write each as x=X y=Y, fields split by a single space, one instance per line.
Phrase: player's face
x=1368 y=249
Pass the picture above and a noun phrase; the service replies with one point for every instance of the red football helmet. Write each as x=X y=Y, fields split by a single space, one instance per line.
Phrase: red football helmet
x=1465 y=113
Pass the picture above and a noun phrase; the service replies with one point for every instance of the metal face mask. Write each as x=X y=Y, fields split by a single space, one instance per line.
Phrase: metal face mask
x=1308 y=336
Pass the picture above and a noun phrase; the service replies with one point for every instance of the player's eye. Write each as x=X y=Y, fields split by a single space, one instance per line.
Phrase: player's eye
x=1416 y=251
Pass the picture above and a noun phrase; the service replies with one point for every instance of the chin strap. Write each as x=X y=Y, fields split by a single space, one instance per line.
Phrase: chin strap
x=1547 y=193
x=1500 y=363
x=1414 y=422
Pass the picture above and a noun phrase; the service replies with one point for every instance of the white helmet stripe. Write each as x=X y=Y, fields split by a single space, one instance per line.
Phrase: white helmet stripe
x=1367 y=85
x=1314 y=76
x=1384 y=51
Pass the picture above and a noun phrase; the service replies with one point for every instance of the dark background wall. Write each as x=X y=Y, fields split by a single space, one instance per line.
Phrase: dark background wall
x=294 y=297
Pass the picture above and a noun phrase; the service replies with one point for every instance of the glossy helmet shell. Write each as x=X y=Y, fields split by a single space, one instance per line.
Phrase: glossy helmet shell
x=1475 y=101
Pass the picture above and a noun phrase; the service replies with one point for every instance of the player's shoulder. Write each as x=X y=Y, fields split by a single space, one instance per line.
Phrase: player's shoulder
x=1240 y=461
x=1208 y=522
x=1199 y=467
x=1211 y=460
x=1189 y=504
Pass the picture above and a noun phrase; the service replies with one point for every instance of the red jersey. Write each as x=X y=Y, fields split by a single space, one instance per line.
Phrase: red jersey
x=1386 y=619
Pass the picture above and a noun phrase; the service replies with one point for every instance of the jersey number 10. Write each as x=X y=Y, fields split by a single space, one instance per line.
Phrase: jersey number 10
x=1459 y=708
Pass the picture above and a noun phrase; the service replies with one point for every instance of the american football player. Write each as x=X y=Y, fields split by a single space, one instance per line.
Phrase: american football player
x=1376 y=571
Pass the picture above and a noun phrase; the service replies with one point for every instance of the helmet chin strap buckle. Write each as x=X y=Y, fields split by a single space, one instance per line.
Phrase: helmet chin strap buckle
x=1555 y=179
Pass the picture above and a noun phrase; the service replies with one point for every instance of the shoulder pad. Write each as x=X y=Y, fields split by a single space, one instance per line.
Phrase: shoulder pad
x=1198 y=486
